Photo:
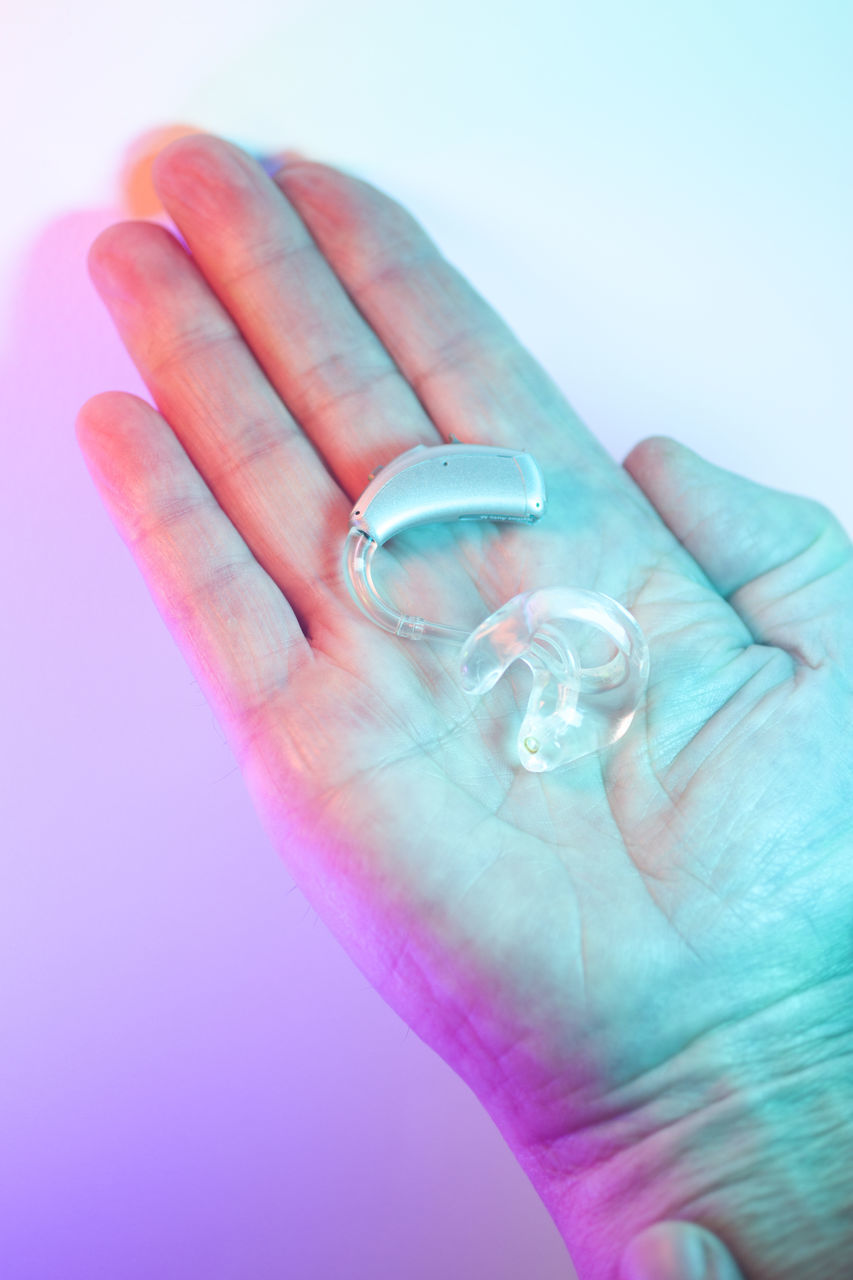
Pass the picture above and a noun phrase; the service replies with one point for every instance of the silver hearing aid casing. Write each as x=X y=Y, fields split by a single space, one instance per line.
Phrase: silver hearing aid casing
x=435 y=484
x=573 y=709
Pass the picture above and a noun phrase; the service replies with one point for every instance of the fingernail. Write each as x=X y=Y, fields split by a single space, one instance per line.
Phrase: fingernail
x=707 y=1262
x=699 y=1263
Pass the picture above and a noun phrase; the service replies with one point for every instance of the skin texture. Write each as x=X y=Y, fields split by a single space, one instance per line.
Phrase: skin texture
x=641 y=964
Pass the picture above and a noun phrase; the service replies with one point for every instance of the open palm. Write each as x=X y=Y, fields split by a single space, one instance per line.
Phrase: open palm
x=591 y=949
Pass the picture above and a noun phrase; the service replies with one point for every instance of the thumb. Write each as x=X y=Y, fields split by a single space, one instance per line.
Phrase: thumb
x=784 y=562
x=677 y=1251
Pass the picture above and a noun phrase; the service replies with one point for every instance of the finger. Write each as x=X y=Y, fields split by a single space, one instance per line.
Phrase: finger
x=468 y=369
x=228 y=617
x=290 y=295
x=254 y=459
x=254 y=256
x=328 y=366
x=480 y=384
x=784 y=562
x=677 y=1251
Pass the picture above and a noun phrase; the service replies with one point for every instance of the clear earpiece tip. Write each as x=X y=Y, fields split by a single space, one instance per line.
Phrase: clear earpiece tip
x=573 y=710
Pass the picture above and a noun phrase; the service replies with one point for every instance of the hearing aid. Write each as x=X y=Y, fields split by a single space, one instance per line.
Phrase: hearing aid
x=572 y=710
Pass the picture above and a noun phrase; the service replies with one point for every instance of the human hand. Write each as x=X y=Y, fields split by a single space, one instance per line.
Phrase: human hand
x=641 y=964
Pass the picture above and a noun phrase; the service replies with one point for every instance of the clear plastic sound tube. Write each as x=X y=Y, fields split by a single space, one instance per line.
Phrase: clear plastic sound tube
x=572 y=710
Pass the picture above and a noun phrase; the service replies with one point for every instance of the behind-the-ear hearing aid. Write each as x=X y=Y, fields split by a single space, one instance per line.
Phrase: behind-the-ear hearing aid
x=572 y=710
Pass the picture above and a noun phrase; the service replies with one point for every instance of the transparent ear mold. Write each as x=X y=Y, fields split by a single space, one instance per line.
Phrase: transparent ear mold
x=573 y=709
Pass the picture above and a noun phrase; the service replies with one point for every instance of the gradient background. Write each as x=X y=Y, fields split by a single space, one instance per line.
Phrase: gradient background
x=194 y=1079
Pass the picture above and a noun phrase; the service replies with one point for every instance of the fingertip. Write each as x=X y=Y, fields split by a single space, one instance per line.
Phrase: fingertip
x=651 y=453
x=100 y=413
x=652 y=458
x=100 y=253
x=93 y=417
x=677 y=1251
x=658 y=1253
x=280 y=160
x=113 y=427
x=125 y=257
x=181 y=150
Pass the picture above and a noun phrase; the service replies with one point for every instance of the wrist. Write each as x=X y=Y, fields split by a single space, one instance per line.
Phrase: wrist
x=748 y=1131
